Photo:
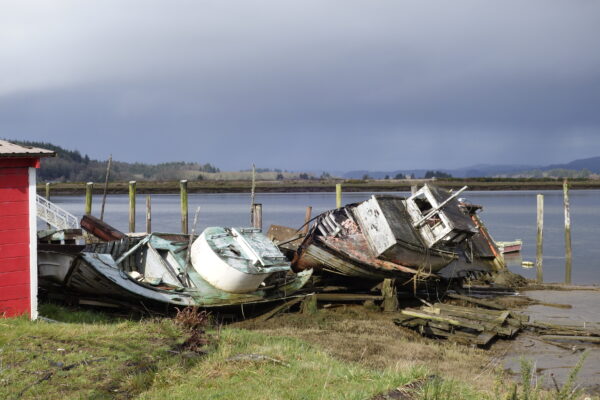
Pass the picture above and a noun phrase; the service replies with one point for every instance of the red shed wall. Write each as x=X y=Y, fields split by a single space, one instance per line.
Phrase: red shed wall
x=14 y=241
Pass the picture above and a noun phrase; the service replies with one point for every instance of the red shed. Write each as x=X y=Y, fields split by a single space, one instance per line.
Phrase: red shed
x=18 y=228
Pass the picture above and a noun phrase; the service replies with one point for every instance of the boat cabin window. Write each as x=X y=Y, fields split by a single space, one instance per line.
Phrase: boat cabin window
x=422 y=203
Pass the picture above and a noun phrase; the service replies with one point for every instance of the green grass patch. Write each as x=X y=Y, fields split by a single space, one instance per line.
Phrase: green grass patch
x=99 y=356
x=95 y=356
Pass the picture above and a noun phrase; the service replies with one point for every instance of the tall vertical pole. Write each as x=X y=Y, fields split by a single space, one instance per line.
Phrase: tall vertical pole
x=540 y=238
x=338 y=195
x=89 y=187
x=148 y=214
x=257 y=216
x=307 y=219
x=105 y=187
x=252 y=194
x=568 y=249
x=132 y=206
x=183 y=189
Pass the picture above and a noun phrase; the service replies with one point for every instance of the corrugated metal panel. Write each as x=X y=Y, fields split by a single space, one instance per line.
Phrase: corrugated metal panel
x=8 y=149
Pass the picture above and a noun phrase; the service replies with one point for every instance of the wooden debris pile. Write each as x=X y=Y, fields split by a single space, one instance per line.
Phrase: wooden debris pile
x=466 y=325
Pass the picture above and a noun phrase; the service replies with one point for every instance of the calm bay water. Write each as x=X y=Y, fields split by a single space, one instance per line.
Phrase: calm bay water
x=508 y=215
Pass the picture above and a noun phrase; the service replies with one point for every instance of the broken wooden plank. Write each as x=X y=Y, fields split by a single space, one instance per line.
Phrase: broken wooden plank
x=485 y=337
x=470 y=313
x=451 y=321
x=571 y=338
x=280 y=308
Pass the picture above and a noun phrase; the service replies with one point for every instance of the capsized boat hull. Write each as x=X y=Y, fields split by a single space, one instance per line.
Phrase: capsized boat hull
x=115 y=276
x=236 y=260
x=350 y=257
x=55 y=261
x=336 y=243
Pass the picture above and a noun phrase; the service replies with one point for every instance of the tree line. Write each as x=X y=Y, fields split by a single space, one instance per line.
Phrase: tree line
x=71 y=166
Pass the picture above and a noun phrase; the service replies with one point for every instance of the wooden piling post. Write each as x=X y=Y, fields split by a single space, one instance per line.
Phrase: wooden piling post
x=568 y=249
x=307 y=219
x=309 y=304
x=132 y=206
x=390 y=296
x=183 y=189
x=540 y=238
x=89 y=187
x=148 y=214
x=252 y=194
x=338 y=195
x=257 y=216
x=413 y=189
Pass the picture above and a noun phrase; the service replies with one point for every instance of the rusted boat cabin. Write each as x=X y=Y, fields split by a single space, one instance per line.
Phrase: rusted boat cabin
x=18 y=228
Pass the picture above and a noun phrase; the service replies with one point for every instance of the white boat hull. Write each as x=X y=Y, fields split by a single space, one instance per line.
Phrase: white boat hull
x=219 y=273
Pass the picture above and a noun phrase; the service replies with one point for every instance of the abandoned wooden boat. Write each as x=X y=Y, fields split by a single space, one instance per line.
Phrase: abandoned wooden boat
x=236 y=260
x=154 y=271
x=336 y=244
x=415 y=232
x=57 y=251
x=391 y=236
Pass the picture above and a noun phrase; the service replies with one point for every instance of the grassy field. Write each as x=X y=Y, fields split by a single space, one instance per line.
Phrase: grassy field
x=348 y=353
x=283 y=186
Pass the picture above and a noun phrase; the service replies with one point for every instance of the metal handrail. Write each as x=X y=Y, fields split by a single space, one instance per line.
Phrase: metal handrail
x=54 y=215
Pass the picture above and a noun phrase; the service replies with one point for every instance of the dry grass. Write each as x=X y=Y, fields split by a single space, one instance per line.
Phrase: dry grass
x=355 y=334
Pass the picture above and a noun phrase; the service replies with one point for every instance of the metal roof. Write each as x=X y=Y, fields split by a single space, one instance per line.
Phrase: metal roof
x=8 y=149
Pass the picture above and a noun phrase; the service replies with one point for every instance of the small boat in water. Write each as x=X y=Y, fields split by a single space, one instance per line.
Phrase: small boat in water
x=513 y=246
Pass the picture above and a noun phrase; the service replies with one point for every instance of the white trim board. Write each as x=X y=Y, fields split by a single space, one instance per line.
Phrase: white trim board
x=33 y=274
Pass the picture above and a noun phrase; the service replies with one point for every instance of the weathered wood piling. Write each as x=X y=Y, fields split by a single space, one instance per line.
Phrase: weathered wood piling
x=540 y=239
x=89 y=187
x=568 y=249
x=132 y=190
x=257 y=221
x=390 y=295
x=307 y=217
x=338 y=195
x=252 y=194
x=183 y=193
x=148 y=214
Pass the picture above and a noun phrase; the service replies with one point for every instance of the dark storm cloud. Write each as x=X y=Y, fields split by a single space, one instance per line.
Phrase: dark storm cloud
x=305 y=85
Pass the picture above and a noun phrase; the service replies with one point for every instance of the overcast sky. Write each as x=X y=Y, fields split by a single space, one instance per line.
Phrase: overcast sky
x=305 y=85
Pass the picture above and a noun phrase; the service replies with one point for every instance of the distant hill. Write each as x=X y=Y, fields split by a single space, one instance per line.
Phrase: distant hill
x=578 y=168
x=468 y=172
x=591 y=164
